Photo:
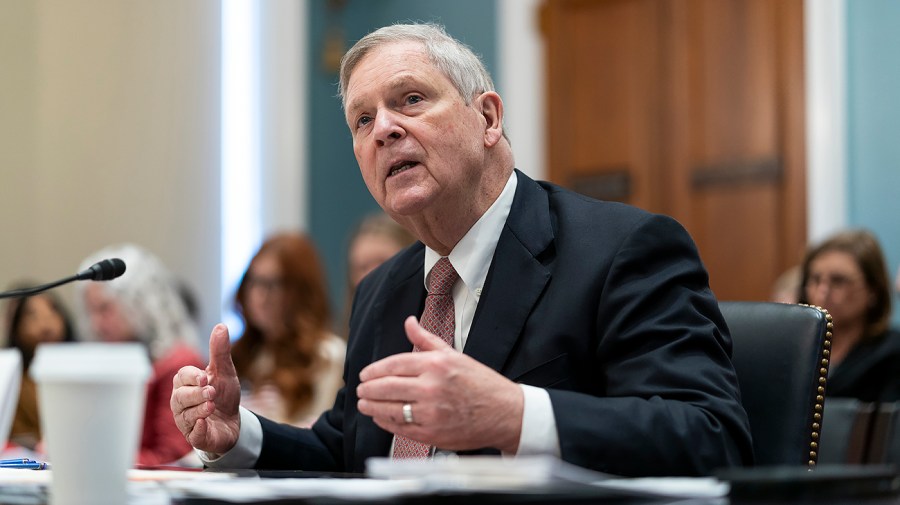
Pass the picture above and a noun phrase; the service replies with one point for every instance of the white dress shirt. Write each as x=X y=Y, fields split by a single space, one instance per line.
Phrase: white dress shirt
x=471 y=257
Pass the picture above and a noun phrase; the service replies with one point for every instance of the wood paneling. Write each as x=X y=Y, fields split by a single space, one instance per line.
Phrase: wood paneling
x=692 y=108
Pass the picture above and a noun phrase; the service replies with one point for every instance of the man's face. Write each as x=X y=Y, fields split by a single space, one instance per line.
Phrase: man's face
x=420 y=148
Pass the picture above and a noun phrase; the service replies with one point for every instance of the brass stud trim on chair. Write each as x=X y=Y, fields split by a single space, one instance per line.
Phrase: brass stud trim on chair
x=820 y=398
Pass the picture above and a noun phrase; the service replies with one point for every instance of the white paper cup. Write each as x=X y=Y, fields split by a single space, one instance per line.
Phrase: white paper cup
x=91 y=397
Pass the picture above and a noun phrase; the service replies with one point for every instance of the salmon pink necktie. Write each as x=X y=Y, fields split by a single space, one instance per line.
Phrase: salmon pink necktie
x=440 y=319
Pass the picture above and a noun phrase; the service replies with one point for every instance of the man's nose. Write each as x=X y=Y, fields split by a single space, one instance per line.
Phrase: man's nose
x=387 y=128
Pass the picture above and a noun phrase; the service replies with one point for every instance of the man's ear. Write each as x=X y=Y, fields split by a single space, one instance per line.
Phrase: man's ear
x=491 y=106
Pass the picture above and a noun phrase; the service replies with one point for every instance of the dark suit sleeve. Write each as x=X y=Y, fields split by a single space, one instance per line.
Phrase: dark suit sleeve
x=670 y=404
x=287 y=447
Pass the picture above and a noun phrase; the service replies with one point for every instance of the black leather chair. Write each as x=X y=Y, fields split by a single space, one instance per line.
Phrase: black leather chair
x=781 y=356
x=884 y=445
x=845 y=431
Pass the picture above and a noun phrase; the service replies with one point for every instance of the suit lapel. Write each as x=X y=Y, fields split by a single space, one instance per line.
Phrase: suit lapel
x=404 y=297
x=516 y=278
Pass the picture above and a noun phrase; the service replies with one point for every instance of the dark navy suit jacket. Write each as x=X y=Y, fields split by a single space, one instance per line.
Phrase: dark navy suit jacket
x=606 y=306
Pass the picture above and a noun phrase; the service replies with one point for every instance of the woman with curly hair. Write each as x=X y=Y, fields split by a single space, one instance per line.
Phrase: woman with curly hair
x=289 y=361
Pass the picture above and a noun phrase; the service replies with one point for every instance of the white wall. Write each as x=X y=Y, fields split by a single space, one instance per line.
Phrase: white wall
x=825 y=39
x=17 y=104
x=520 y=81
x=109 y=133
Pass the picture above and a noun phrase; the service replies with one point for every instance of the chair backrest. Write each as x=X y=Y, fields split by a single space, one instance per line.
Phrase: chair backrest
x=781 y=356
x=884 y=447
x=845 y=431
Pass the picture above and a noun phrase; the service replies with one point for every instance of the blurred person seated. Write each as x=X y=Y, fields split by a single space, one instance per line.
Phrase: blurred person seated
x=144 y=305
x=846 y=274
x=38 y=319
x=289 y=362
x=787 y=286
x=375 y=240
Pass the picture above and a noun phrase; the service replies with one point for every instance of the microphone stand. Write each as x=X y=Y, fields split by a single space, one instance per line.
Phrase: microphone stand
x=101 y=271
x=21 y=293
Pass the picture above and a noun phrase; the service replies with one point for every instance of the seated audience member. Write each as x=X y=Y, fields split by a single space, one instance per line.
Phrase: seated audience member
x=143 y=305
x=375 y=240
x=38 y=319
x=551 y=323
x=846 y=274
x=289 y=362
x=787 y=286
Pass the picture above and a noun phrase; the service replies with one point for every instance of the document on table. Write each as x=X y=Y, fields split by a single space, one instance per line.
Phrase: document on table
x=244 y=490
x=388 y=479
x=489 y=473
x=446 y=473
x=464 y=474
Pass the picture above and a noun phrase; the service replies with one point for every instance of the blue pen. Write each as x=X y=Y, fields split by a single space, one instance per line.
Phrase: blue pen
x=17 y=460
x=31 y=465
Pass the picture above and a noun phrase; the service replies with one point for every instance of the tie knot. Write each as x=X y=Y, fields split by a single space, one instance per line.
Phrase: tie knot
x=443 y=277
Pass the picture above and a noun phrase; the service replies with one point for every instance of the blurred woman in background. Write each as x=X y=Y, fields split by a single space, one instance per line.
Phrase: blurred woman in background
x=289 y=362
x=375 y=240
x=846 y=274
x=35 y=320
x=144 y=305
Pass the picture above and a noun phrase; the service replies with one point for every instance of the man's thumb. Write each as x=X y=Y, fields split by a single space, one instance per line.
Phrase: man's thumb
x=220 y=350
x=422 y=338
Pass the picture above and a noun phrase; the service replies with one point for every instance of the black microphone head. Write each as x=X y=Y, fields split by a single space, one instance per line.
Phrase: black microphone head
x=104 y=270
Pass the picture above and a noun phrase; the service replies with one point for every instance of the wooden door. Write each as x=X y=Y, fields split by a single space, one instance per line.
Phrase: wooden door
x=692 y=108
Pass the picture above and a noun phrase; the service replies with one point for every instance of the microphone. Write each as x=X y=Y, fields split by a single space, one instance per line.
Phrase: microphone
x=105 y=270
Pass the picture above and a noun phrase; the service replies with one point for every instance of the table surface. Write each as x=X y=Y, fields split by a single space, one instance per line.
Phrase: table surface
x=825 y=486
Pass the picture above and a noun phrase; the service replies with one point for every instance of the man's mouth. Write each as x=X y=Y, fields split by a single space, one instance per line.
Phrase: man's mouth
x=401 y=167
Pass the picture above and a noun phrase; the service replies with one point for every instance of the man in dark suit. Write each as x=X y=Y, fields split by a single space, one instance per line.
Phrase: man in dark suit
x=587 y=329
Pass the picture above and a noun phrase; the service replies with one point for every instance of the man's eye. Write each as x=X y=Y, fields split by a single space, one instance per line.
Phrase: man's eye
x=411 y=99
x=363 y=121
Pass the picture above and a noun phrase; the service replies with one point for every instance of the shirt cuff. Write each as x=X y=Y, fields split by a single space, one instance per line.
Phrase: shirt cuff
x=539 y=434
x=245 y=452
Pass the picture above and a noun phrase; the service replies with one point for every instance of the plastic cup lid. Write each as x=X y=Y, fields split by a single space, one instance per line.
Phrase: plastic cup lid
x=90 y=362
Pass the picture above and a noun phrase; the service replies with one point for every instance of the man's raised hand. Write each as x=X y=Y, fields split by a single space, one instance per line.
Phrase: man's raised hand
x=205 y=402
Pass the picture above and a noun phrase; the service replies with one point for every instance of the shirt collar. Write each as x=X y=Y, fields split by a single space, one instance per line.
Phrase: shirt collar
x=472 y=255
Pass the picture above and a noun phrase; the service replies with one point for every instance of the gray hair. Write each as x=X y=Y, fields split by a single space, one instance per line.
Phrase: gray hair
x=148 y=295
x=455 y=59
